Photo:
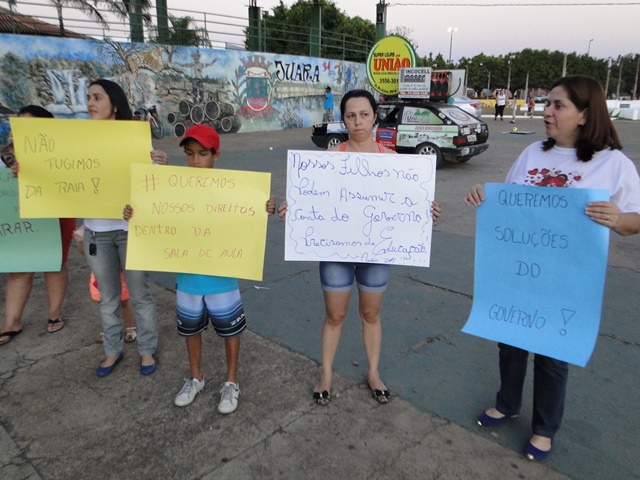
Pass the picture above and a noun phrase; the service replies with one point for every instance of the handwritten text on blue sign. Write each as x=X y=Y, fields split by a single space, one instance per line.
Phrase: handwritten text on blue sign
x=540 y=267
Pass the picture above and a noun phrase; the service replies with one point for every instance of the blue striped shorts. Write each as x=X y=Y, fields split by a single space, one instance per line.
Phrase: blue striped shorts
x=225 y=310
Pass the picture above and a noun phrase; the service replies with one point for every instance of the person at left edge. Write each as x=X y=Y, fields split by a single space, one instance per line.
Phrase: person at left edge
x=105 y=246
x=19 y=284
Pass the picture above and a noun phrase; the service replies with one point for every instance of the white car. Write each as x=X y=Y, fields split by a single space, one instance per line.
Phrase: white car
x=469 y=105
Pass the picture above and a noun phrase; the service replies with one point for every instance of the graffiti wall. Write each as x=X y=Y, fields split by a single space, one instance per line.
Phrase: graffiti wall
x=173 y=87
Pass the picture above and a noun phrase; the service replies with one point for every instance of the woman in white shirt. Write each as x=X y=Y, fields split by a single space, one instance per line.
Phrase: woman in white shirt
x=582 y=151
x=105 y=246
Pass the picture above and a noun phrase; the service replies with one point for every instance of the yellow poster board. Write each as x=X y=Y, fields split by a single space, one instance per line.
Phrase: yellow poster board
x=206 y=221
x=77 y=168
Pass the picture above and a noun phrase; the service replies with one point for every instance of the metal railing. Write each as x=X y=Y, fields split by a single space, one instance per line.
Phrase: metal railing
x=216 y=31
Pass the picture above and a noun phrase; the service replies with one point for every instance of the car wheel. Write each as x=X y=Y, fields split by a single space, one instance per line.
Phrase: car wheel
x=431 y=149
x=333 y=141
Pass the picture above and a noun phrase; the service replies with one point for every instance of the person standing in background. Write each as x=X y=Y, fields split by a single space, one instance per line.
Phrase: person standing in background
x=328 y=105
x=501 y=102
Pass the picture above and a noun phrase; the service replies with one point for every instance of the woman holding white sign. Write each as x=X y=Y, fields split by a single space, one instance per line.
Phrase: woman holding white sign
x=582 y=151
x=105 y=246
x=358 y=111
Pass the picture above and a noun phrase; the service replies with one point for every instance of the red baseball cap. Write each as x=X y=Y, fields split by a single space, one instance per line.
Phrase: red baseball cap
x=204 y=135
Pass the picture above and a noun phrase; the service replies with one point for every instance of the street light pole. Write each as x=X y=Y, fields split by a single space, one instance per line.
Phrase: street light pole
x=511 y=57
x=619 y=80
x=589 y=47
x=606 y=88
x=451 y=30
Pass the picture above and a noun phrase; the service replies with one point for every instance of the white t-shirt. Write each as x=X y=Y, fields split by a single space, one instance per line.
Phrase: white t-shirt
x=106 y=224
x=502 y=99
x=560 y=167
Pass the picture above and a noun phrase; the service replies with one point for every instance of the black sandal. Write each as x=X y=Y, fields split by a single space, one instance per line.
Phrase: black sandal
x=380 y=396
x=322 y=398
x=56 y=325
x=9 y=335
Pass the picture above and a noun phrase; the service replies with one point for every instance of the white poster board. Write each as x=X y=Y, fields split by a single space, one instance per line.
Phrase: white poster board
x=359 y=207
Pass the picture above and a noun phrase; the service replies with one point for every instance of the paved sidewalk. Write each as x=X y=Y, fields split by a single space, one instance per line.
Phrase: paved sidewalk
x=59 y=421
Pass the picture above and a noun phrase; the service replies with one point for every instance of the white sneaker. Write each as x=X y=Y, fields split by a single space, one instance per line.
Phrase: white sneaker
x=188 y=393
x=228 y=398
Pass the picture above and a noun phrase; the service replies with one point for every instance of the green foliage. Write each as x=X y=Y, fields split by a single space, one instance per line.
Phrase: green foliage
x=286 y=30
x=183 y=33
x=543 y=67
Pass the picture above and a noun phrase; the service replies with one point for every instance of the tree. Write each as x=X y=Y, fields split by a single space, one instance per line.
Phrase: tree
x=183 y=32
x=286 y=30
x=406 y=33
x=86 y=6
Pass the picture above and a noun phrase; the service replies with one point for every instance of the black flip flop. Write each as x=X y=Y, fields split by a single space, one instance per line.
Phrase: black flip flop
x=55 y=322
x=322 y=398
x=10 y=335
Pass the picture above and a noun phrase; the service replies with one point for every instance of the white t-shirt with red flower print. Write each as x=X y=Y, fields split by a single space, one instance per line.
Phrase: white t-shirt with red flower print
x=560 y=167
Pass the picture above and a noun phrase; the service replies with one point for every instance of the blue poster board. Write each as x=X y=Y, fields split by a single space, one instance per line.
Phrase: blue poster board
x=26 y=244
x=540 y=266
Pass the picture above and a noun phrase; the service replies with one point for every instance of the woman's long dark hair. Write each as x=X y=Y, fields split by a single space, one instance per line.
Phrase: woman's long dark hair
x=36 y=111
x=117 y=97
x=598 y=132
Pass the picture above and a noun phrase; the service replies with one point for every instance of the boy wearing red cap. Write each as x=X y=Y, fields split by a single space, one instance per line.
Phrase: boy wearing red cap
x=204 y=298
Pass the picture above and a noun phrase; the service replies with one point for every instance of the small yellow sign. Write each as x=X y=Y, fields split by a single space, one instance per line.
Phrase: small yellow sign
x=198 y=220
x=77 y=168
x=385 y=60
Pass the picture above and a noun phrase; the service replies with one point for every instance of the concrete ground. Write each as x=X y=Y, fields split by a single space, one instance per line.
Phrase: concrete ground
x=59 y=421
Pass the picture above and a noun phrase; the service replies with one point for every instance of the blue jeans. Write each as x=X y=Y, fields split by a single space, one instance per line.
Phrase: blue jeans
x=110 y=257
x=550 y=377
x=339 y=276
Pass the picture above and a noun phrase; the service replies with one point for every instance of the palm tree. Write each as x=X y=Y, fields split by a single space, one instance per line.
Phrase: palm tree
x=86 y=6
x=182 y=33
x=135 y=12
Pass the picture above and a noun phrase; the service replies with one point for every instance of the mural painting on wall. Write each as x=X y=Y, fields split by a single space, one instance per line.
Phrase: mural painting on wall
x=173 y=87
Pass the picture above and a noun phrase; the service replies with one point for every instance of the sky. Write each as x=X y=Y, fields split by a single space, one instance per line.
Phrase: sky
x=492 y=30
x=494 y=27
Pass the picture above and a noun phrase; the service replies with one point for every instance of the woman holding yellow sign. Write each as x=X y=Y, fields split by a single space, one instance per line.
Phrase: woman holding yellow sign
x=105 y=246
x=19 y=284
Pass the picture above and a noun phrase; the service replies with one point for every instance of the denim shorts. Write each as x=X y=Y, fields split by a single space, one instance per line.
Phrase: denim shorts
x=339 y=276
x=224 y=310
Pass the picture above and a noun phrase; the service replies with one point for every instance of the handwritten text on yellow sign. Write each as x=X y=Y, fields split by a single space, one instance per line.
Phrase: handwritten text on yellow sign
x=206 y=221
x=77 y=168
